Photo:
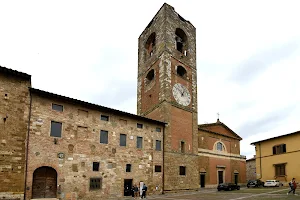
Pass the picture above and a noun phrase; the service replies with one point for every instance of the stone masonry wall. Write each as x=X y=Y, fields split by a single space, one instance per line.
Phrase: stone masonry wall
x=14 y=107
x=81 y=147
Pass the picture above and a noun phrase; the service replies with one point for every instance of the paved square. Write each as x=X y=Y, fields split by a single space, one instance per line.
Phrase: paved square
x=243 y=194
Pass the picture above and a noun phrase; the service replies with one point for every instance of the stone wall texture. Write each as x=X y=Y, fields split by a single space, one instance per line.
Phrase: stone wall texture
x=251 y=169
x=14 y=108
x=80 y=145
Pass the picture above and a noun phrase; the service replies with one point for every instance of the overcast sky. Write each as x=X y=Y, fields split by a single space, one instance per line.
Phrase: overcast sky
x=248 y=56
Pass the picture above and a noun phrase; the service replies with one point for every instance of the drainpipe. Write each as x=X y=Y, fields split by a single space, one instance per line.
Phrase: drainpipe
x=163 y=152
x=260 y=160
x=27 y=144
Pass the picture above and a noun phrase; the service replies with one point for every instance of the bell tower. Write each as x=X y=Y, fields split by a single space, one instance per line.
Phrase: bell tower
x=167 y=91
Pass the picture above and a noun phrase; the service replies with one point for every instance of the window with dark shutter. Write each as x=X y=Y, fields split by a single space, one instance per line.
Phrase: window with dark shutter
x=128 y=167
x=96 y=166
x=157 y=168
x=182 y=170
x=280 y=170
x=278 y=149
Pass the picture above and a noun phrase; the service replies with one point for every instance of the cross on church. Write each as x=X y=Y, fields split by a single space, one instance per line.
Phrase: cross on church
x=218 y=115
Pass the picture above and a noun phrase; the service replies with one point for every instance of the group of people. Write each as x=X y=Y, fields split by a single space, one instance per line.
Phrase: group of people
x=293 y=186
x=139 y=191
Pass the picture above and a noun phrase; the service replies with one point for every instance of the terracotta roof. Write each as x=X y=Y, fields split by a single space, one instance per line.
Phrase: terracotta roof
x=202 y=126
x=250 y=159
x=253 y=143
x=14 y=72
x=91 y=105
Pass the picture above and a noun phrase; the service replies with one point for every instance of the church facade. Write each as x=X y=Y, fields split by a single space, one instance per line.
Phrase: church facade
x=54 y=146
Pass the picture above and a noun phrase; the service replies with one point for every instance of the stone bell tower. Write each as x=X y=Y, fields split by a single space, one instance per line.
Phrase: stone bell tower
x=167 y=91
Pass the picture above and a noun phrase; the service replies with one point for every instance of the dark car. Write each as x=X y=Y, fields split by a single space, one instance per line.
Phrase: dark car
x=255 y=183
x=228 y=186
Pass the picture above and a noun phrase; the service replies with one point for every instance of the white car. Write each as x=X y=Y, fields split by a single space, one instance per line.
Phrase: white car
x=272 y=183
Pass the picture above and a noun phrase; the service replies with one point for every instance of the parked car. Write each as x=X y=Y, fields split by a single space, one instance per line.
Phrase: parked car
x=272 y=183
x=228 y=186
x=255 y=183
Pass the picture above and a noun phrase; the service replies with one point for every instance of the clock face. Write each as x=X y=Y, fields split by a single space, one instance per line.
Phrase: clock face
x=181 y=94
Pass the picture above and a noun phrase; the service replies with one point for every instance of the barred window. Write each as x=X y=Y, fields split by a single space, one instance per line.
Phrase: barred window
x=95 y=183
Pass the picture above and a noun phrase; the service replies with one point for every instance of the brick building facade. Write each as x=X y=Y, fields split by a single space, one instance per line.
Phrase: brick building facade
x=59 y=147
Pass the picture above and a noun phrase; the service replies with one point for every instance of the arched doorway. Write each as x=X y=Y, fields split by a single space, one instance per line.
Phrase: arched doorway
x=44 y=183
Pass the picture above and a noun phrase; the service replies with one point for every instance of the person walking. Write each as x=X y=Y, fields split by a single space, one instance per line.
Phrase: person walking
x=293 y=186
x=144 y=191
x=136 y=191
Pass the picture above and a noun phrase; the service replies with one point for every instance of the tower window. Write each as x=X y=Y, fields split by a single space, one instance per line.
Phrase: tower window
x=180 y=40
x=149 y=77
x=96 y=166
x=182 y=146
x=150 y=44
x=181 y=71
x=182 y=170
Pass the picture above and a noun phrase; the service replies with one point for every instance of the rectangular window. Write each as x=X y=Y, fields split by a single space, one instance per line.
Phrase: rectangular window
x=280 y=170
x=139 y=125
x=96 y=166
x=182 y=170
x=158 y=145
x=104 y=137
x=123 y=140
x=139 y=142
x=104 y=118
x=158 y=129
x=182 y=147
x=95 y=183
x=56 y=129
x=157 y=168
x=57 y=107
x=128 y=167
x=279 y=149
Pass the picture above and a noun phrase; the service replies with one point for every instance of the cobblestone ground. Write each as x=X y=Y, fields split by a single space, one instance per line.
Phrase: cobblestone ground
x=243 y=194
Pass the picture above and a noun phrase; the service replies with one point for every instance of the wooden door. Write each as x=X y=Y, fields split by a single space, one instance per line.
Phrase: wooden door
x=220 y=175
x=44 y=183
x=202 y=180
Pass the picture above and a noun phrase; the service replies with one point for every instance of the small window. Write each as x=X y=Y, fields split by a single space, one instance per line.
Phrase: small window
x=96 y=166
x=123 y=140
x=182 y=146
x=95 y=183
x=104 y=137
x=57 y=107
x=182 y=170
x=150 y=44
x=279 y=149
x=180 y=39
x=104 y=118
x=158 y=129
x=139 y=125
x=56 y=129
x=280 y=170
x=181 y=71
x=157 y=168
x=220 y=146
x=158 y=145
x=139 y=142
x=128 y=167
x=150 y=75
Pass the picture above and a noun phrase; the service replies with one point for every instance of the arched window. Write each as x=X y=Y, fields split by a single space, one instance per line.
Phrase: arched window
x=220 y=146
x=150 y=75
x=181 y=41
x=181 y=71
x=150 y=44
